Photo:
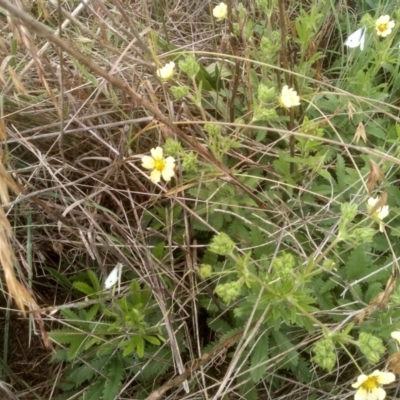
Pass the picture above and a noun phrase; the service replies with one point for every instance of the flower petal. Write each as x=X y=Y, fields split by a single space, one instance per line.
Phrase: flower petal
x=395 y=335
x=170 y=162
x=157 y=153
x=383 y=212
x=167 y=174
x=379 y=393
x=148 y=162
x=372 y=201
x=155 y=176
x=385 y=377
x=360 y=380
x=361 y=394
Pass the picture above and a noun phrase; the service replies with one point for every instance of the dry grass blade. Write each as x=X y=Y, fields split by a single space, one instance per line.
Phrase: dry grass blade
x=375 y=176
x=20 y=295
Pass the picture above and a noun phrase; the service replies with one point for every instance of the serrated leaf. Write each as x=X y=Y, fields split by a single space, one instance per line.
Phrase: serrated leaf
x=286 y=348
x=95 y=391
x=83 y=288
x=135 y=292
x=94 y=280
x=92 y=312
x=356 y=266
x=63 y=336
x=341 y=174
x=115 y=373
x=76 y=346
x=325 y=174
x=259 y=355
x=81 y=374
x=71 y=315
x=247 y=389
x=373 y=290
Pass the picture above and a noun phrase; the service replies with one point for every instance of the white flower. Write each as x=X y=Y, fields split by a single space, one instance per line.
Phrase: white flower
x=384 y=26
x=369 y=386
x=380 y=213
x=113 y=276
x=396 y=336
x=356 y=39
x=289 y=97
x=220 y=11
x=167 y=71
x=162 y=167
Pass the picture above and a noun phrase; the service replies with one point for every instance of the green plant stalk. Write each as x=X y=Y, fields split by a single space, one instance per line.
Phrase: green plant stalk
x=351 y=356
x=311 y=266
x=197 y=99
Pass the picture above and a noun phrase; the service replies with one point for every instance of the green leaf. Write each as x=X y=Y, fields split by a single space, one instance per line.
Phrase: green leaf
x=247 y=389
x=71 y=315
x=94 y=392
x=341 y=174
x=260 y=354
x=95 y=280
x=60 y=278
x=83 y=288
x=135 y=292
x=152 y=339
x=115 y=373
x=63 y=336
x=92 y=312
x=286 y=348
x=356 y=266
x=81 y=374
x=373 y=290
x=77 y=345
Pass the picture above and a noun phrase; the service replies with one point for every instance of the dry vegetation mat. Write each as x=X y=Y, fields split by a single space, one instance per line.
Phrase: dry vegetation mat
x=199 y=199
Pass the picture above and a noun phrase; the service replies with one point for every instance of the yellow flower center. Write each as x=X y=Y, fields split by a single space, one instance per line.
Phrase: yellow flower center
x=159 y=164
x=370 y=383
x=383 y=27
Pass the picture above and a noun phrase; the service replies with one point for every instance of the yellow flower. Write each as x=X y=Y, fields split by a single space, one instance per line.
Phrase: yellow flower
x=380 y=213
x=162 y=167
x=167 y=71
x=369 y=386
x=289 y=97
x=384 y=26
x=220 y=11
x=396 y=336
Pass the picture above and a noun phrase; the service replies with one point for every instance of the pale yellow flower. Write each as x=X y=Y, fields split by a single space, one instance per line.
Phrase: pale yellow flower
x=369 y=386
x=380 y=213
x=220 y=11
x=384 y=25
x=167 y=71
x=161 y=167
x=396 y=336
x=289 y=97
